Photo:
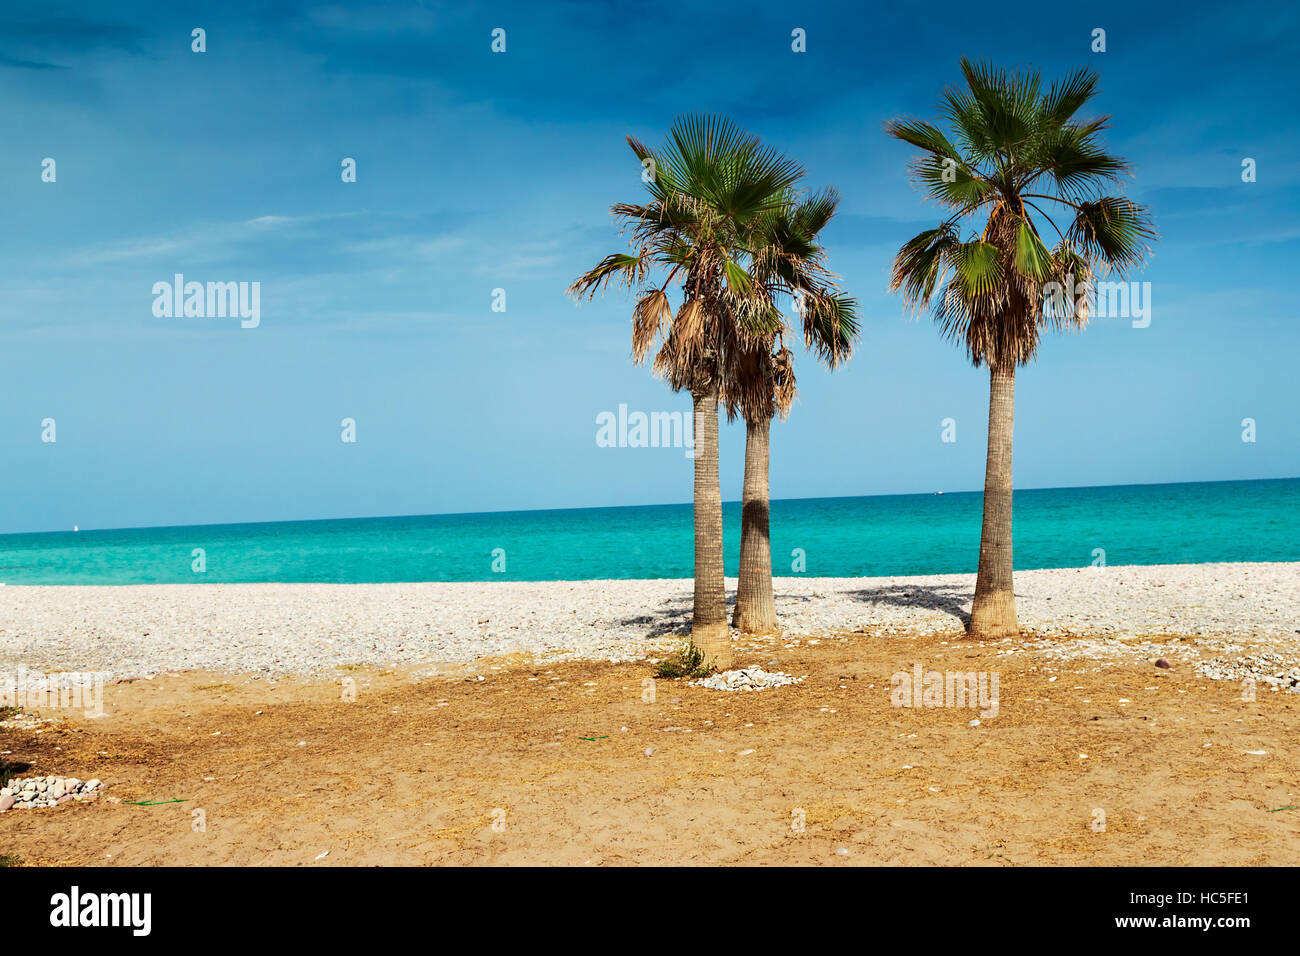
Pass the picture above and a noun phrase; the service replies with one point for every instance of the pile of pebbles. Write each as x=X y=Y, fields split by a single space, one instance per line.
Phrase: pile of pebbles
x=1265 y=668
x=746 y=678
x=27 y=792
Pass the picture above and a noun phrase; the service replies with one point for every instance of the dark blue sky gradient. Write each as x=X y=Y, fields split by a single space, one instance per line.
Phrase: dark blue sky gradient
x=479 y=171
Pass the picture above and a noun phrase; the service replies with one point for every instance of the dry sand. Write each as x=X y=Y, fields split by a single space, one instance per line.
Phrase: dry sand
x=1096 y=755
x=418 y=771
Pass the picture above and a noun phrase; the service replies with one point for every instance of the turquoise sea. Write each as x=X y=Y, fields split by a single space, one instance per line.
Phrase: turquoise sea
x=896 y=534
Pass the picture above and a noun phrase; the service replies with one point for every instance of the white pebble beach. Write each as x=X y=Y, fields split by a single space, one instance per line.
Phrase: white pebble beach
x=139 y=630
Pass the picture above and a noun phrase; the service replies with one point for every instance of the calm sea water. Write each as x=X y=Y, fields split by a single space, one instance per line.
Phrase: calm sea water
x=898 y=534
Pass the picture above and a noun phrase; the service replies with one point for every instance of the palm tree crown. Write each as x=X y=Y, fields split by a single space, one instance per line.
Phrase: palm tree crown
x=709 y=188
x=788 y=260
x=724 y=221
x=1016 y=152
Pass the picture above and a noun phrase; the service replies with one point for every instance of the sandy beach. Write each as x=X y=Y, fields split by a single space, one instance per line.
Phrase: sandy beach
x=519 y=723
x=134 y=631
x=1098 y=761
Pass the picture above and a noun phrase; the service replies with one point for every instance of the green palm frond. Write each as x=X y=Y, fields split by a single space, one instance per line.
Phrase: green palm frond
x=972 y=134
x=1076 y=162
x=953 y=183
x=759 y=322
x=922 y=262
x=1066 y=97
x=1113 y=230
x=830 y=324
x=812 y=215
x=619 y=267
x=978 y=268
x=1007 y=103
x=1032 y=258
x=732 y=171
x=924 y=136
x=739 y=282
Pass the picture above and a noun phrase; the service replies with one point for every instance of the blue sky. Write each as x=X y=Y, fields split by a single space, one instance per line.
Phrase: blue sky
x=478 y=171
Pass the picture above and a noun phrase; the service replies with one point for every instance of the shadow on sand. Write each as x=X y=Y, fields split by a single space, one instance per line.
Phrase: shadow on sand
x=947 y=598
x=673 y=617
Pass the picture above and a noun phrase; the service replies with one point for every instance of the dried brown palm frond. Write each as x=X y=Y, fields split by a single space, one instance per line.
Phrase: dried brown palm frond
x=783 y=391
x=760 y=383
x=650 y=314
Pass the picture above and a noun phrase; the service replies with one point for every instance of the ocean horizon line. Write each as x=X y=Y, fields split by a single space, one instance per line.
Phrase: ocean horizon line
x=666 y=504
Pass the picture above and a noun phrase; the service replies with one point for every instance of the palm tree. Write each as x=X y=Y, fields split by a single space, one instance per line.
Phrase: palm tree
x=1016 y=152
x=709 y=186
x=761 y=385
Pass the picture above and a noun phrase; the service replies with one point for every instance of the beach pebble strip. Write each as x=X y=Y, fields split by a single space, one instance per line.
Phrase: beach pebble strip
x=22 y=793
x=141 y=630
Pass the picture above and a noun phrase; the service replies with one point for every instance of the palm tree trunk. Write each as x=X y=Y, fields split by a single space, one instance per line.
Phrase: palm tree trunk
x=755 y=605
x=709 y=631
x=993 y=613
